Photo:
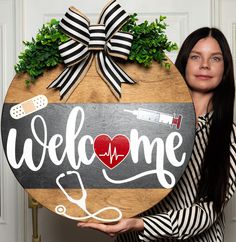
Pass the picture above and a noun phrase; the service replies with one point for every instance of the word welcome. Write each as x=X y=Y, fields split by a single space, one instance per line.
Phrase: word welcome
x=76 y=155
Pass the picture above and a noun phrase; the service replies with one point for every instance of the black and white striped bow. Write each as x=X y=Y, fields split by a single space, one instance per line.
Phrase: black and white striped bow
x=86 y=41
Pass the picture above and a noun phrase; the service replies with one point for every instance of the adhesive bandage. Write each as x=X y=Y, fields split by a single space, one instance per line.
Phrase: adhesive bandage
x=29 y=106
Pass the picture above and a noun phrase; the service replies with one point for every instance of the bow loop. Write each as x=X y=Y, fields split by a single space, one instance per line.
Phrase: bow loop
x=113 y=17
x=76 y=25
x=73 y=52
x=102 y=40
x=120 y=44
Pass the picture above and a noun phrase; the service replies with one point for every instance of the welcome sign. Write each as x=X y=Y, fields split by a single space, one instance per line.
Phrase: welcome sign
x=93 y=156
x=99 y=146
x=103 y=140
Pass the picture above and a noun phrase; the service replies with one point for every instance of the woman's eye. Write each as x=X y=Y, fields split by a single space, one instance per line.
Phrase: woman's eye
x=194 y=57
x=216 y=58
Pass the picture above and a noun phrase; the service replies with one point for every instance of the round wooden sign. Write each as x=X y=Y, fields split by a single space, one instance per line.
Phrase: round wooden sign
x=96 y=139
x=96 y=157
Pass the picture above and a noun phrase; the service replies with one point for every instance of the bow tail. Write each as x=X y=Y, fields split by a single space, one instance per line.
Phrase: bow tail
x=69 y=79
x=60 y=79
x=111 y=73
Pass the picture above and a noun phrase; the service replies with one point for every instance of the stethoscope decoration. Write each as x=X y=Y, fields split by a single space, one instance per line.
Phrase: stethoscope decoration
x=81 y=203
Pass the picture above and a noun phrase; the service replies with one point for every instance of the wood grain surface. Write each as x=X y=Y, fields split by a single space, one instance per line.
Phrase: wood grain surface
x=154 y=84
x=129 y=201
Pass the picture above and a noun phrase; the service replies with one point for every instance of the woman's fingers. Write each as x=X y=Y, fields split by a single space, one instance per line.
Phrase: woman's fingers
x=123 y=225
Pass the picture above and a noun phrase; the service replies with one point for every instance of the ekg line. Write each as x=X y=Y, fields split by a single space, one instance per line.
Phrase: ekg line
x=109 y=153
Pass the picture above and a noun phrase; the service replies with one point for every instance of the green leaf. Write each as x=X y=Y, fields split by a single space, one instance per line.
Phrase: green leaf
x=42 y=52
x=149 y=41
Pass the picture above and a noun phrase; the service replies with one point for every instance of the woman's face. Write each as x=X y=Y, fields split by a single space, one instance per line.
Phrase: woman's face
x=205 y=66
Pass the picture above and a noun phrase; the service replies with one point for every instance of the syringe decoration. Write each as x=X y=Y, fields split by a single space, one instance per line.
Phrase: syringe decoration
x=157 y=117
x=177 y=121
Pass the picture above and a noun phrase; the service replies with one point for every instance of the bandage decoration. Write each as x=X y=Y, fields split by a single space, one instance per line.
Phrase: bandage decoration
x=91 y=156
x=29 y=106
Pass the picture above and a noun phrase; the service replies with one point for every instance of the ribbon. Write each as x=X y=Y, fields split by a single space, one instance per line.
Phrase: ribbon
x=102 y=41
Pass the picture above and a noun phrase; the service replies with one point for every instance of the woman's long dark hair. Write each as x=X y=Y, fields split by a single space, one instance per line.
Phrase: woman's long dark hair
x=215 y=170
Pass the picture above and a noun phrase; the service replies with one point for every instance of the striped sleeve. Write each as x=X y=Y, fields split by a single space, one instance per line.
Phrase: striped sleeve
x=180 y=224
x=232 y=171
x=190 y=221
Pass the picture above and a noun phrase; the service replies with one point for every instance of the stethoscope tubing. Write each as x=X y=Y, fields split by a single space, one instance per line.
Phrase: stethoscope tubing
x=61 y=209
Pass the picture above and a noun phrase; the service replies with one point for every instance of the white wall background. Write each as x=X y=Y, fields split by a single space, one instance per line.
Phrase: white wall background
x=20 y=20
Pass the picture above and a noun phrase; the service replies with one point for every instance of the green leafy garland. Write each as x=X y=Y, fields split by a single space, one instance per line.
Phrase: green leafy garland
x=42 y=52
x=149 y=43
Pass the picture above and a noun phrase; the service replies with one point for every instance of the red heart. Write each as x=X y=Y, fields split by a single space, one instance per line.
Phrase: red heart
x=111 y=152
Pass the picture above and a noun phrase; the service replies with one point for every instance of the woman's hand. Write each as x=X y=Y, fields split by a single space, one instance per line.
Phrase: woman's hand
x=124 y=225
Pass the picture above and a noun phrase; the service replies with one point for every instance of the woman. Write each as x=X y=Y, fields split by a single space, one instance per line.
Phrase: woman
x=193 y=211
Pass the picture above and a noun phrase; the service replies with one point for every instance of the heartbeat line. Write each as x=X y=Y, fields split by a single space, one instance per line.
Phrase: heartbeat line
x=109 y=153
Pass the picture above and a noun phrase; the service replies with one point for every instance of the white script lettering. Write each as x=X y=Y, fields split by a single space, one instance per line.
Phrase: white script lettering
x=70 y=152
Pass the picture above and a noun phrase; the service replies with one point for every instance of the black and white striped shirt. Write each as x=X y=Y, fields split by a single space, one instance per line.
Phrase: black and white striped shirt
x=178 y=216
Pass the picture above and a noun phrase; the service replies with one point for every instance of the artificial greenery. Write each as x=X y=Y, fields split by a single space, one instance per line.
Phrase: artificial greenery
x=149 y=41
x=42 y=52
